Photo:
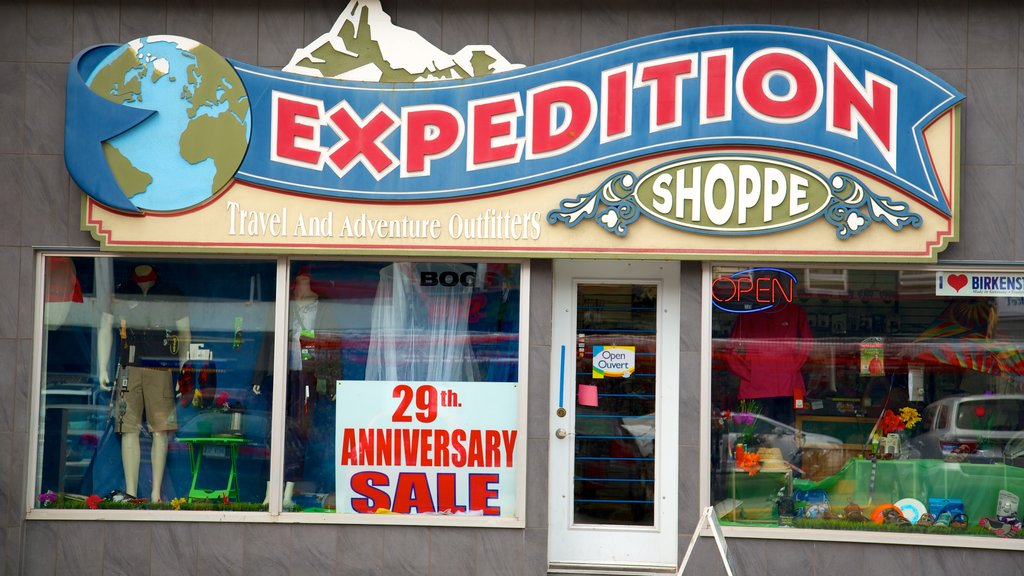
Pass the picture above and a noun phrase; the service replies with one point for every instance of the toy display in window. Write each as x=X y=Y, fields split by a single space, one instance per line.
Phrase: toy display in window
x=148 y=330
x=767 y=351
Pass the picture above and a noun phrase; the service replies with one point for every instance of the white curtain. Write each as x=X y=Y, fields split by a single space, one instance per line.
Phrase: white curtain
x=419 y=329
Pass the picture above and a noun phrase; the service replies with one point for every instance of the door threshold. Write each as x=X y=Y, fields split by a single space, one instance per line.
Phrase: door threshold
x=571 y=569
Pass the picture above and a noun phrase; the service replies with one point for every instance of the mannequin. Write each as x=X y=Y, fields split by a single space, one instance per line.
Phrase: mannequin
x=302 y=318
x=767 y=351
x=153 y=335
x=303 y=388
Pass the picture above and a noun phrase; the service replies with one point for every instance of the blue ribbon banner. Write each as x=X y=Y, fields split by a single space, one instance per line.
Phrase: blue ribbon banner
x=761 y=88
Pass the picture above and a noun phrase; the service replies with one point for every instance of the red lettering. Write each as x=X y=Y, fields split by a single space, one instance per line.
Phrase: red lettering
x=361 y=140
x=765 y=289
x=404 y=393
x=383 y=447
x=509 y=438
x=665 y=76
x=446 y=494
x=459 y=444
x=476 y=450
x=576 y=103
x=412 y=491
x=716 y=86
x=876 y=112
x=762 y=292
x=492 y=439
x=366 y=446
x=411 y=441
x=779 y=290
x=480 y=493
x=492 y=131
x=617 y=103
x=296 y=121
x=425 y=448
x=428 y=133
x=348 y=448
x=853 y=105
x=441 y=455
x=717 y=292
x=364 y=484
x=798 y=74
x=743 y=285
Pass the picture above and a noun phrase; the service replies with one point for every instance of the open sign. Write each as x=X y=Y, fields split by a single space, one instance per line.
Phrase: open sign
x=753 y=290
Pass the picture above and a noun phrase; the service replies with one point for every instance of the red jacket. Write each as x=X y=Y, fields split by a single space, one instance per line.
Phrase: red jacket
x=767 y=351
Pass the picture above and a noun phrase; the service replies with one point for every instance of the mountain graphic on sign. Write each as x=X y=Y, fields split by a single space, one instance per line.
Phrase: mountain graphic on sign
x=364 y=45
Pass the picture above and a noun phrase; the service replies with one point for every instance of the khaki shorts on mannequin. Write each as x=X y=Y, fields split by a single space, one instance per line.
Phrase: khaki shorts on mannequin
x=153 y=389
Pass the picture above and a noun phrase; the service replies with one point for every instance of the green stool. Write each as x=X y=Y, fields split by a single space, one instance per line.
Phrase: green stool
x=196 y=447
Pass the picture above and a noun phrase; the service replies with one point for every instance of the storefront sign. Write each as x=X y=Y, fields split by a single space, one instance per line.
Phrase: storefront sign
x=614 y=362
x=753 y=290
x=683 y=144
x=426 y=448
x=978 y=284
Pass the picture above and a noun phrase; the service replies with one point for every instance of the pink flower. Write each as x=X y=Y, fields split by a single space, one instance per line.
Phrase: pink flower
x=743 y=418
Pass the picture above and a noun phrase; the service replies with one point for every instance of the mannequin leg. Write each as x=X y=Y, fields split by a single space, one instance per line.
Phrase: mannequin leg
x=130 y=457
x=159 y=457
x=289 y=490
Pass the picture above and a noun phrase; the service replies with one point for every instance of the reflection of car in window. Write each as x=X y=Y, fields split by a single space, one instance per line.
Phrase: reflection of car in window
x=977 y=428
x=774 y=434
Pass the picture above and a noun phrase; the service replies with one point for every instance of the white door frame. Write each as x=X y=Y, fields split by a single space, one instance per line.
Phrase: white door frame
x=572 y=544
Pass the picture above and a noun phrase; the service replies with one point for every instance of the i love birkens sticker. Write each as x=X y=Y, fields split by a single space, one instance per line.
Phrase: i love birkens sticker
x=979 y=284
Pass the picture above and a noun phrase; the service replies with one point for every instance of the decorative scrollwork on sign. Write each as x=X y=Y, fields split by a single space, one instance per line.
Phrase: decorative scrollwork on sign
x=611 y=205
x=854 y=207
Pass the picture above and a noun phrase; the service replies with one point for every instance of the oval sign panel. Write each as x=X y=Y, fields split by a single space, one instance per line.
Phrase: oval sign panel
x=733 y=194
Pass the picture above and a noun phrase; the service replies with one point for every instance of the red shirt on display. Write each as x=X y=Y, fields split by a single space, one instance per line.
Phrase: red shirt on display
x=767 y=351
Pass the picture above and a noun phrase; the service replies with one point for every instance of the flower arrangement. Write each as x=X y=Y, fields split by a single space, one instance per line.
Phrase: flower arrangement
x=47 y=498
x=910 y=416
x=890 y=421
x=746 y=419
x=750 y=462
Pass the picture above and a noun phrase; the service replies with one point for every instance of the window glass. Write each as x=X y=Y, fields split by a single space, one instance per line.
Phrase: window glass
x=880 y=400
x=402 y=388
x=155 y=383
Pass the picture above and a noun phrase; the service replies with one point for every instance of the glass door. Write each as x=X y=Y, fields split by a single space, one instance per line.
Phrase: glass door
x=614 y=409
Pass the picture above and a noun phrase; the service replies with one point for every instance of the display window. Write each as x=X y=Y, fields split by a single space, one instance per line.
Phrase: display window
x=868 y=399
x=394 y=385
x=403 y=388
x=155 y=383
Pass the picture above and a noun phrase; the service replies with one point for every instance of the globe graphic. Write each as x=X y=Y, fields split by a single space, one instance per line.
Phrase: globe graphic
x=191 y=147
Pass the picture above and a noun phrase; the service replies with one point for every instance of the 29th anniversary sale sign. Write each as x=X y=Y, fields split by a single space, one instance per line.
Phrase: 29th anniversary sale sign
x=426 y=447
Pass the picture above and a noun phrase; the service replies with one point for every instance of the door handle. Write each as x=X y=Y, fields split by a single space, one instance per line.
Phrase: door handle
x=561 y=433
